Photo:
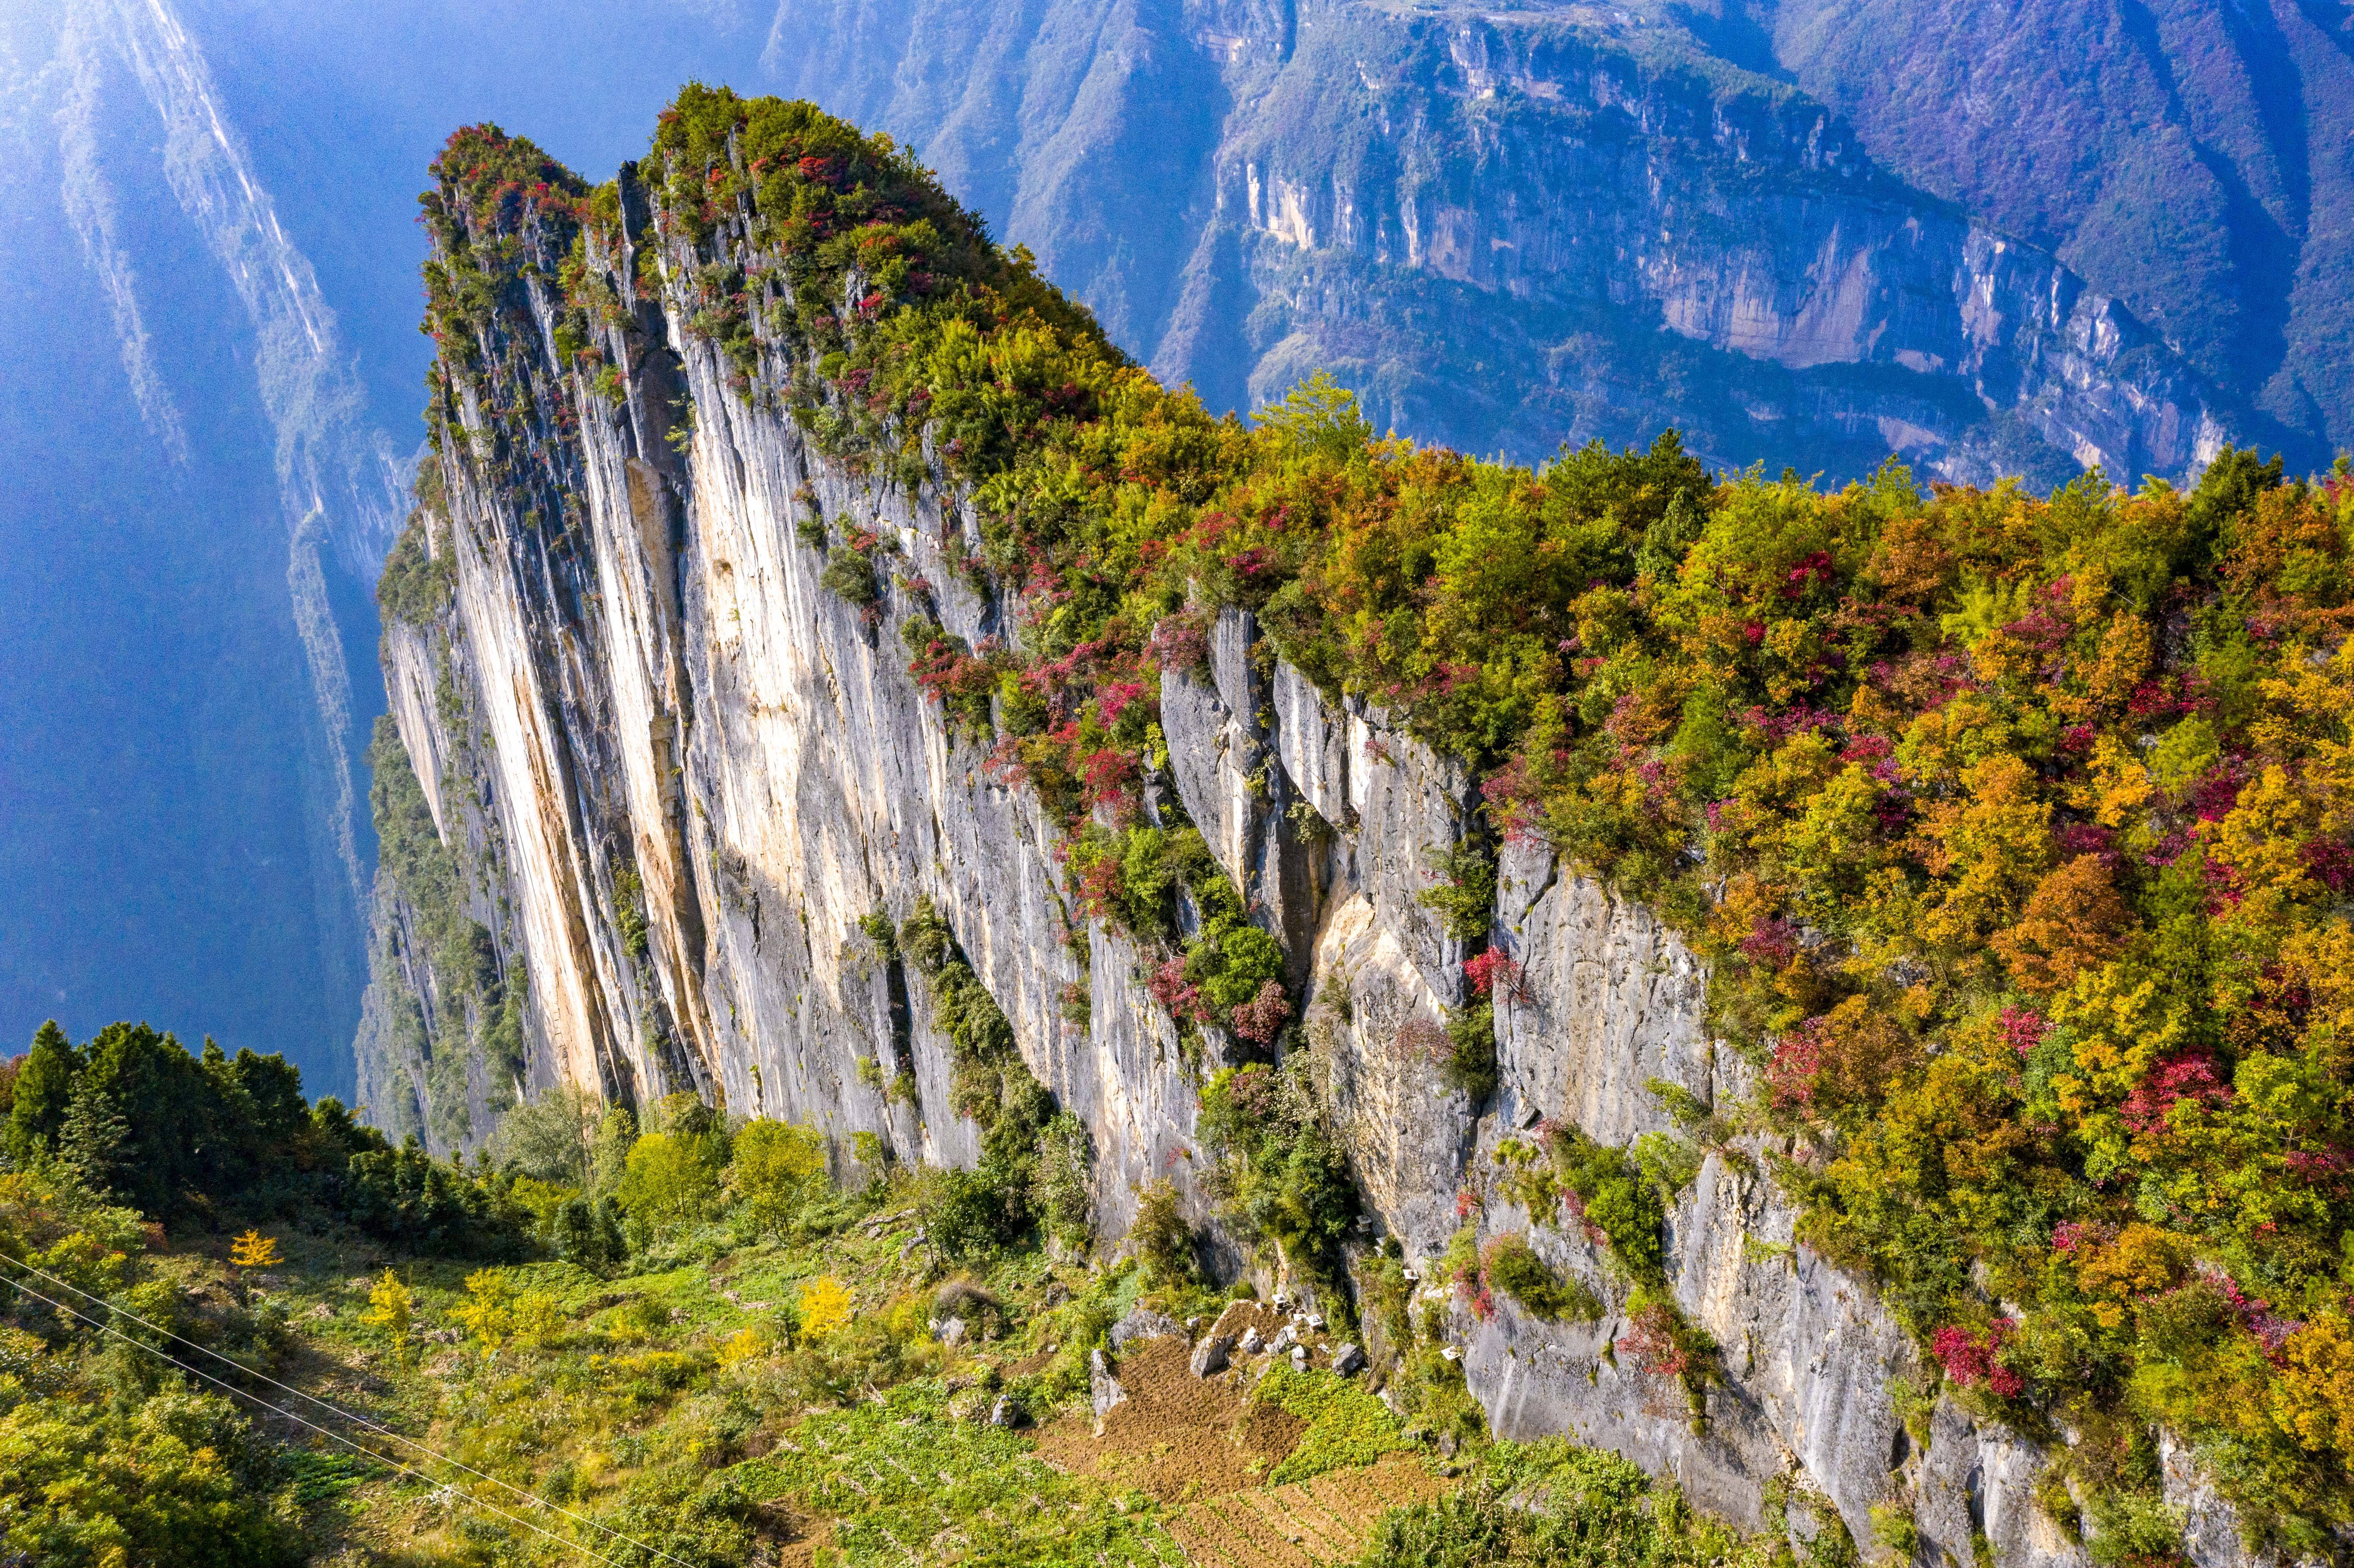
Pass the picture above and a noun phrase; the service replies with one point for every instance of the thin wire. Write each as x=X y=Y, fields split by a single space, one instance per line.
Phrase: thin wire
x=323 y=1432
x=535 y=1501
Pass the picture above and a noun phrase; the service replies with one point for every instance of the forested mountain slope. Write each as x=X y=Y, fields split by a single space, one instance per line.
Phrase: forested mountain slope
x=1847 y=983
x=1511 y=228
x=2190 y=159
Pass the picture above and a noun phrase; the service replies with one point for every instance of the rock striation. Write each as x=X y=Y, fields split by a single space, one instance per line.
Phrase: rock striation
x=684 y=771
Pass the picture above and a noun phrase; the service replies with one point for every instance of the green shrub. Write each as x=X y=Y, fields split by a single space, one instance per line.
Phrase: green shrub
x=1615 y=1198
x=1470 y=1065
x=417 y=585
x=850 y=576
x=1277 y=1168
x=1163 y=1241
x=1466 y=897
x=1514 y=1268
x=630 y=910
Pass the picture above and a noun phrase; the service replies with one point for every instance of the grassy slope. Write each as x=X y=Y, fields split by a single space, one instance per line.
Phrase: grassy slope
x=670 y=1413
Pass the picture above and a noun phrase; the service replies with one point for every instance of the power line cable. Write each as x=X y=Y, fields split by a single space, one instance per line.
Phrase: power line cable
x=337 y=1436
x=357 y=1420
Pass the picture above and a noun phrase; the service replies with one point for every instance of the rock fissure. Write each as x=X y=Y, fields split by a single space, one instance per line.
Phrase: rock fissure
x=687 y=683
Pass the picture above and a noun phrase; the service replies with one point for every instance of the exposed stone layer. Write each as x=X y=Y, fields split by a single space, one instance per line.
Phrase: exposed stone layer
x=663 y=697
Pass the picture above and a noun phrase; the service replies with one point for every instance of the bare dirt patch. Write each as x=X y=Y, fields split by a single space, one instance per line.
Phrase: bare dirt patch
x=1310 y=1524
x=1176 y=1436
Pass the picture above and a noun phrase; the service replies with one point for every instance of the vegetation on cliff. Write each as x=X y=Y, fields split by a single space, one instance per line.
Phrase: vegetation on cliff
x=2013 y=826
x=477 y=1004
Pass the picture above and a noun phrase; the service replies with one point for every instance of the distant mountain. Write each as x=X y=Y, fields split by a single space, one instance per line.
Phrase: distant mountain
x=207 y=221
x=1565 y=221
x=197 y=503
x=2194 y=159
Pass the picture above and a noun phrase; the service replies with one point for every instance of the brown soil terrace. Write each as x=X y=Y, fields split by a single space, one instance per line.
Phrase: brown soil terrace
x=1203 y=1446
x=1307 y=1525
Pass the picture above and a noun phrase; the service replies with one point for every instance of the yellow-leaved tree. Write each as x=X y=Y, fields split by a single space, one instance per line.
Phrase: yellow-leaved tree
x=778 y=1167
x=254 y=1250
x=539 y=1318
x=390 y=1307
x=825 y=1306
x=489 y=1309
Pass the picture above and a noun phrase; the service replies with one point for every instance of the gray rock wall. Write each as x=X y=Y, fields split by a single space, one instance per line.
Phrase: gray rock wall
x=662 y=685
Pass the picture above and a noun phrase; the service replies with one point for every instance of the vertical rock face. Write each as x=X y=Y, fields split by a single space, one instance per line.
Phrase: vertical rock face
x=684 y=771
x=705 y=769
x=1609 y=1014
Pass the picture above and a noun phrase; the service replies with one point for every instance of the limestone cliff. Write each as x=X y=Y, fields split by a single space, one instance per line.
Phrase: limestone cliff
x=685 y=770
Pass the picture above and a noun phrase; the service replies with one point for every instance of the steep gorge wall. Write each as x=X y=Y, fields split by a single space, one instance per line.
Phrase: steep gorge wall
x=1509 y=229
x=688 y=770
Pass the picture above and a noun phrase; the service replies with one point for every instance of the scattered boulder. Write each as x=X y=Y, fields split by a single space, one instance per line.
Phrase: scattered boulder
x=1348 y=1358
x=1142 y=1324
x=1250 y=1343
x=1299 y=1357
x=1210 y=1355
x=950 y=1332
x=1285 y=1339
x=1004 y=1413
x=1103 y=1389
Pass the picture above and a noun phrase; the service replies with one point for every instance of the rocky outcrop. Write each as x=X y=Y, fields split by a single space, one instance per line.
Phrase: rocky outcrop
x=689 y=771
x=705 y=769
x=1611 y=1004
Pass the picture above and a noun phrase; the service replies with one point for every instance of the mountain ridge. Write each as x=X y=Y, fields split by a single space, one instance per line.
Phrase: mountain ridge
x=1532 y=207
x=890 y=709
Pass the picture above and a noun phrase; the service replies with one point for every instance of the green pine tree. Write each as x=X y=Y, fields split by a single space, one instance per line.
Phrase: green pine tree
x=91 y=1146
x=44 y=1092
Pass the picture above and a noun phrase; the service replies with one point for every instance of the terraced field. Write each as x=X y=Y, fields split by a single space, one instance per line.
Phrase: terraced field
x=1308 y=1524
